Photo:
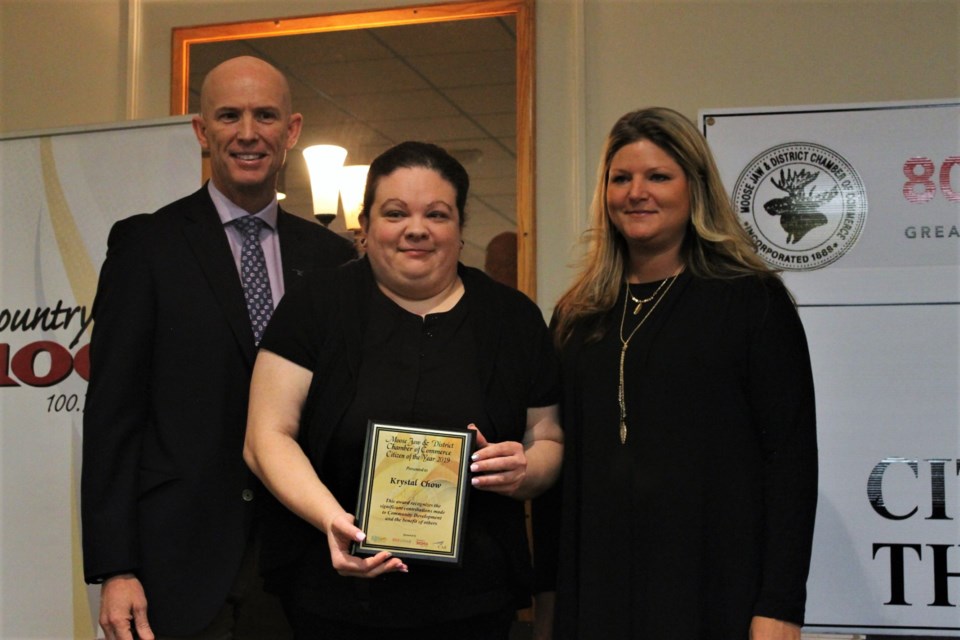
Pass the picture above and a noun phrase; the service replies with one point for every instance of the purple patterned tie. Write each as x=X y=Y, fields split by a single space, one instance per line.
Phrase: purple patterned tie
x=253 y=275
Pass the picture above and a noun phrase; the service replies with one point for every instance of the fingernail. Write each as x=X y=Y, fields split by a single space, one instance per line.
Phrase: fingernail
x=473 y=457
x=474 y=481
x=361 y=536
x=474 y=468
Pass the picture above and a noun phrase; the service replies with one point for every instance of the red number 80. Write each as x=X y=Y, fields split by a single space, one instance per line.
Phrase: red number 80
x=923 y=179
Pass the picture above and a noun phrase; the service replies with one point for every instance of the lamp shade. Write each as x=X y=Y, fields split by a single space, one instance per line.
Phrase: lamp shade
x=353 y=180
x=324 y=162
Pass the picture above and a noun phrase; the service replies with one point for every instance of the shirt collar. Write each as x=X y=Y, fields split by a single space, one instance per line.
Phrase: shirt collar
x=229 y=212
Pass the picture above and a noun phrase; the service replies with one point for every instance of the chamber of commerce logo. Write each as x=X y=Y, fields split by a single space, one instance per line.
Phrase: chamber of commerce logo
x=803 y=204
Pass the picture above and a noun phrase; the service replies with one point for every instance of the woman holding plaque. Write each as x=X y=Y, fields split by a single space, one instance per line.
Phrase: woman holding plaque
x=409 y=336
x=690 y=465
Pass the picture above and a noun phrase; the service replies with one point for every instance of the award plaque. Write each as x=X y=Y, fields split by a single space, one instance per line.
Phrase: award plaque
x=413 y=491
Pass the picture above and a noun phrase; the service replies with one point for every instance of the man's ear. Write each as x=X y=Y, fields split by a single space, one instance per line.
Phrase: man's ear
x=200 y=130
x=293 y=130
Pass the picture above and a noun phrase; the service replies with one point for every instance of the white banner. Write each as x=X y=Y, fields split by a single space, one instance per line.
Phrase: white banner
x=60 y=191
x=860 y=205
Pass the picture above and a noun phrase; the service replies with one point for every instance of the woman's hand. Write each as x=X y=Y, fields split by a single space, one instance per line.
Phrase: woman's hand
x=762 y=628
x=341 y=533
x=543 y=608
x=521 y=470
x=501 y=467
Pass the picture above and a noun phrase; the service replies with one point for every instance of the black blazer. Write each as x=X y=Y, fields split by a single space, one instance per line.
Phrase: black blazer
x=165 y=492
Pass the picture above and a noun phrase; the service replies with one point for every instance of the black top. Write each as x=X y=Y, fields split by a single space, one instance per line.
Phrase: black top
x=414 y=370
x=704 y=517
x=422 y=371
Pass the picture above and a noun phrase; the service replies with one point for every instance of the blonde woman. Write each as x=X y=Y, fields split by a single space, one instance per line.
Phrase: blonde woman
x=690 y=467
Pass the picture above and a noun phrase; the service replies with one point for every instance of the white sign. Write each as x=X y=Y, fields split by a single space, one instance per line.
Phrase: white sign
x=860 y=206
x=60 y=193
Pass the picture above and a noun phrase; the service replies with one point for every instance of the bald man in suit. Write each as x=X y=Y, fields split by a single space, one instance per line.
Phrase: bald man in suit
x=169 y=509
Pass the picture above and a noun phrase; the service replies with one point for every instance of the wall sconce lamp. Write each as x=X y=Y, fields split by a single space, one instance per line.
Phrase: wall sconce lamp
x=324 y=162
x=353 y=179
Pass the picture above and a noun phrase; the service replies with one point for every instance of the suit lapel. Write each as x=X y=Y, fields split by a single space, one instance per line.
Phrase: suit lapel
x=204 y=232
x=295 y=251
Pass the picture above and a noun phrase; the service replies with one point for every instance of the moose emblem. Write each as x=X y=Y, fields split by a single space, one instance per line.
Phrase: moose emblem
x=822 y=208
x=800 y=211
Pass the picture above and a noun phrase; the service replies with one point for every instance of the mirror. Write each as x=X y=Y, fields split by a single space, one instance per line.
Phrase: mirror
x=459 y=75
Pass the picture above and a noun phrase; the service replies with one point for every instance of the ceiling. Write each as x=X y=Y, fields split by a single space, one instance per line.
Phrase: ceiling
x=450 y=83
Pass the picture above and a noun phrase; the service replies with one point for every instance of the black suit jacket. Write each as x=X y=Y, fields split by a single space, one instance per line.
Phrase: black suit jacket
x=165 y=492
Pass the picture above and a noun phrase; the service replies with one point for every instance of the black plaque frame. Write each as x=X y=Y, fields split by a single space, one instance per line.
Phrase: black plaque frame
x=413 y=493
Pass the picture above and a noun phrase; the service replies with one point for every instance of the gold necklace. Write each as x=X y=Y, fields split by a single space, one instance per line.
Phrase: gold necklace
x=625 y=342
x=640 y=302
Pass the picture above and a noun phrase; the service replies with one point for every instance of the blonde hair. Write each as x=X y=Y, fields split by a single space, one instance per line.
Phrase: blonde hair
x=715 y=244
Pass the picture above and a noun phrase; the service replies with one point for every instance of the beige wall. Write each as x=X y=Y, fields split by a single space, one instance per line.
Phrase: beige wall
x=61 y=63
x=64 y=62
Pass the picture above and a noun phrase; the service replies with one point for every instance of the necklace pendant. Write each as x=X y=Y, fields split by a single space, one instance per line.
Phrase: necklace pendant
x=623 y=432
x=636 y=309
